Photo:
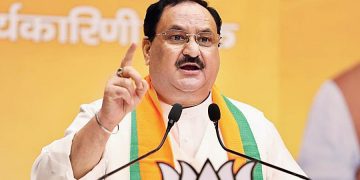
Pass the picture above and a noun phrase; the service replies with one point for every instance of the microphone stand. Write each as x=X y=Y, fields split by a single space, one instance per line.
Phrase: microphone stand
x=253 y=159
x=140 y=158
x=173 y=117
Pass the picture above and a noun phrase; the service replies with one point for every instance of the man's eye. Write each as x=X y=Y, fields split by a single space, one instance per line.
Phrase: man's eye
x=177 y=37
x=204 y=39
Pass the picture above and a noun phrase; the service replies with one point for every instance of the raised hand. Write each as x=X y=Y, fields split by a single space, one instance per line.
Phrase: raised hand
x=123 y=92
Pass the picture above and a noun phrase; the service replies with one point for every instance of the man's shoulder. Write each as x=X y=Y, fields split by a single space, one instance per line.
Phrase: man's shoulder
x=244 y=107
x=254 y=116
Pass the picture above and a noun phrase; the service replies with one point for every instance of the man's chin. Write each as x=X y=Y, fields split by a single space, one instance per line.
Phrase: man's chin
x=190 y=84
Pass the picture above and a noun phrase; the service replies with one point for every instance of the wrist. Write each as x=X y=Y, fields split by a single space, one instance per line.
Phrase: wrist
x=106 y=127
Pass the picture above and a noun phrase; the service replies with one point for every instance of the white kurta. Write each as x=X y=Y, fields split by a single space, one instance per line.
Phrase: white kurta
x=330 y=147
x=54 y=162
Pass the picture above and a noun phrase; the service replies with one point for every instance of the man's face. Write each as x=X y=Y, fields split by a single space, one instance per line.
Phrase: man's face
x=175 y=77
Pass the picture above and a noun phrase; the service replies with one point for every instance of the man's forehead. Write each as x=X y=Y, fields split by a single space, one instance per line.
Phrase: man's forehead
x=203 y=28
x=185 y=15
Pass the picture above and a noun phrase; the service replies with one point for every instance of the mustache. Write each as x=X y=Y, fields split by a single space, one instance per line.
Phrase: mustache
x=189 y=59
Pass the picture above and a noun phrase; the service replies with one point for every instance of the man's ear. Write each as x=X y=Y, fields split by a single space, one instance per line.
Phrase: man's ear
x=146 y=45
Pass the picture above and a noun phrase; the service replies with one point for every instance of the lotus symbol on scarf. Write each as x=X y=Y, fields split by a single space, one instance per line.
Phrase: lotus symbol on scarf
x=207 y=172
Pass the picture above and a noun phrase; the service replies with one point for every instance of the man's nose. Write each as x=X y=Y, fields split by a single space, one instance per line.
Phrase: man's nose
x=191 y=48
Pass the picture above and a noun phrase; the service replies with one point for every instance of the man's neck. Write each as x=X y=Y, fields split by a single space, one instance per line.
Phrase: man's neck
x=186 y=100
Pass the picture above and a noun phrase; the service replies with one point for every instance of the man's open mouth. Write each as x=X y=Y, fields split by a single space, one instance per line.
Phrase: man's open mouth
x=190 y=67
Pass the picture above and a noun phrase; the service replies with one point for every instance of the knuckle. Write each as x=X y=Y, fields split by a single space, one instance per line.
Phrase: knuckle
x=128 y=83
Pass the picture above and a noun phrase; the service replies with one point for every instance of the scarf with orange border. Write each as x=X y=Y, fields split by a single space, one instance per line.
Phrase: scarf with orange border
x=147 y=130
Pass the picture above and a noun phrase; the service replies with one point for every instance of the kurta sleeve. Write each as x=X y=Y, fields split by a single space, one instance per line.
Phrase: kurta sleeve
x=54 y=159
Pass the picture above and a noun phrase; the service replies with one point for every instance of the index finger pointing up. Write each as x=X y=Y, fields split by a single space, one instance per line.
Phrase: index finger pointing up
x=127 y=61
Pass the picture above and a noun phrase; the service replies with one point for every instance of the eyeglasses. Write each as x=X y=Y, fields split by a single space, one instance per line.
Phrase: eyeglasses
x=179 y=37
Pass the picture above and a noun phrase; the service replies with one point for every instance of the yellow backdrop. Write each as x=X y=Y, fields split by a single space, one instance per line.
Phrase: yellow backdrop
x=276 y=55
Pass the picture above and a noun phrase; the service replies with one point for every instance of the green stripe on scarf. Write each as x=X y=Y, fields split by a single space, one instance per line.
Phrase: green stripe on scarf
x=247 y=138
x=248 y=141
x=134 y=151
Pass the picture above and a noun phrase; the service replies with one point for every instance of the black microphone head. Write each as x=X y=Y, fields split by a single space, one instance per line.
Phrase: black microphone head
x=175 y=112
x=214 y=112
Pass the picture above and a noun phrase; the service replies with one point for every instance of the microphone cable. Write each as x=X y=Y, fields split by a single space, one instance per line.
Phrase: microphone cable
x=214 y=115
x=174 y=116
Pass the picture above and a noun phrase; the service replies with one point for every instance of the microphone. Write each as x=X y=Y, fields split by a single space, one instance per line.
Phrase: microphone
x=174 y=116
x=214 y=115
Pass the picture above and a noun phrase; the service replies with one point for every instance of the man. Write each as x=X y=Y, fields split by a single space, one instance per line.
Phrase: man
x=330 y=147
x=181 y=50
